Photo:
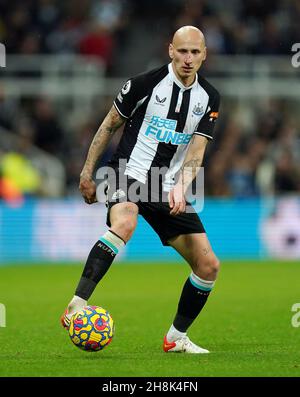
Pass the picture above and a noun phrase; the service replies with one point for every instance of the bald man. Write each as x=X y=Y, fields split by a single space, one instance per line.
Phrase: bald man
x=169 y=115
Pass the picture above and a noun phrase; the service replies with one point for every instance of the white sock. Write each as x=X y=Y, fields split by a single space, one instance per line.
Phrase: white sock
x=173 y=334
x=76 y=305
x=115 y=240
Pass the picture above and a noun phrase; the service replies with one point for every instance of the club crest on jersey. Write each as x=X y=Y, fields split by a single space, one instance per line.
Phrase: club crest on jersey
x=126 y=87
x=159 y=101
x=198 y=110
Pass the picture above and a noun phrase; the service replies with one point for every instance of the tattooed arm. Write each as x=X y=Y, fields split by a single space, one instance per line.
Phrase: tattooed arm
x=189 y=170
x=109 y=126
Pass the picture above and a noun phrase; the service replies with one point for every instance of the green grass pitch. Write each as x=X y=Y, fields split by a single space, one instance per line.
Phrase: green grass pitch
x=246 y=323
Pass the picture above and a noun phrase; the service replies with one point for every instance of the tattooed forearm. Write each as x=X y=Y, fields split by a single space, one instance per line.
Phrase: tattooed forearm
x=111 y=123
x=192 y=164
x=193 y=161
x=189 y=170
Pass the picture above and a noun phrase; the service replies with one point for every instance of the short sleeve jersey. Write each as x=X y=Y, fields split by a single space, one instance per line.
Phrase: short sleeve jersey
x=162 y=115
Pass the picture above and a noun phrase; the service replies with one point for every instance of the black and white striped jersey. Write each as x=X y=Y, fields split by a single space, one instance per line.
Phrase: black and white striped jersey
x=162 y=115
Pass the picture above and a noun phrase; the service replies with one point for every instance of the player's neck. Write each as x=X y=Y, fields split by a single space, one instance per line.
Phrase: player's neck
x=188 y=81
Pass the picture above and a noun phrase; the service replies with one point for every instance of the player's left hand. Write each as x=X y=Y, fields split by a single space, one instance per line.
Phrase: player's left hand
x=87 y=188
x=177 y=200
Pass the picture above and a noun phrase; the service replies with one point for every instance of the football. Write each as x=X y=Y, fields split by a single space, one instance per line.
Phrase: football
x=91 y=329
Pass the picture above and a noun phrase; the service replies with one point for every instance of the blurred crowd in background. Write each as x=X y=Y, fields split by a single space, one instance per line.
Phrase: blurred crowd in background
x=245 y=159
x=100 y=27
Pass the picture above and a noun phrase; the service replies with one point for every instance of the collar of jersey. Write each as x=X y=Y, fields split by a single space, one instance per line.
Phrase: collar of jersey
x=178 y=82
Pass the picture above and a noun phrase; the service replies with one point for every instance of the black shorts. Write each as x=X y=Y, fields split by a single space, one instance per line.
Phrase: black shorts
x=155 y=209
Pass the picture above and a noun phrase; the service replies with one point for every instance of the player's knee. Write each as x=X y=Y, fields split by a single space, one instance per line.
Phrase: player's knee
x=125 y=227
x=214 y=265
x=208 y=269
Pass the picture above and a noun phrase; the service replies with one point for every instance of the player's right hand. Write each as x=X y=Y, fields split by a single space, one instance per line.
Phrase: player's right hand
x=87 y=188
x=177 y=201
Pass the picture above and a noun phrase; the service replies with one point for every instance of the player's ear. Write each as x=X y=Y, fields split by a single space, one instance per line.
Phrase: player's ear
x=204 y=54
x=171 y=51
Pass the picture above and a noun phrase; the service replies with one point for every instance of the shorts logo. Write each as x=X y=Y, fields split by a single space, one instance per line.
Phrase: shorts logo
x=126 y=87
x=198 y=110
x=118 y=194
